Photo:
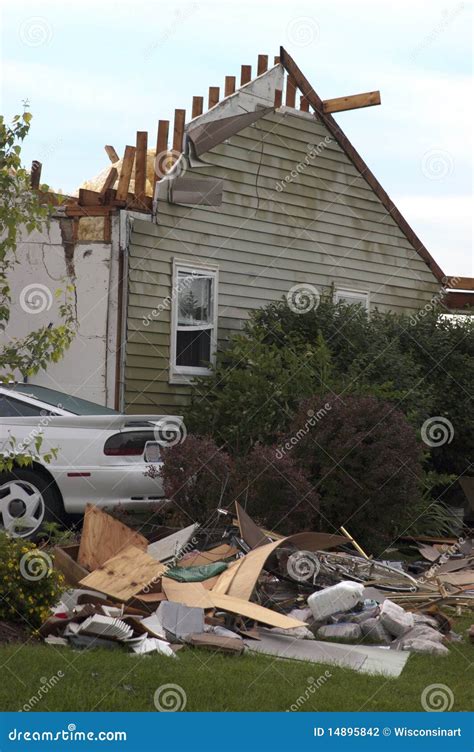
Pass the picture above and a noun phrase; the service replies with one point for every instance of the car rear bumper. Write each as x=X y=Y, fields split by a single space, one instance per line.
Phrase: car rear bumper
x=124 y=485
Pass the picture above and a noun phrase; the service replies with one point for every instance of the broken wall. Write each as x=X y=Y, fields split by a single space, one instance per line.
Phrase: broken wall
x=48 y=261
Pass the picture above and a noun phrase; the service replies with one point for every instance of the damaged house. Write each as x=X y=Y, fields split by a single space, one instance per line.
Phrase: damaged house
x=170 y=248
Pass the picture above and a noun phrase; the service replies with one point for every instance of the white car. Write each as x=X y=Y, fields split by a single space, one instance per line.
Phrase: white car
x=102 y=457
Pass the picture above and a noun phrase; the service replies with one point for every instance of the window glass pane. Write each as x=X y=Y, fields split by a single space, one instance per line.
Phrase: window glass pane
x=194 y=299
x=12 y=408
x=193 y=348
x=67 y=402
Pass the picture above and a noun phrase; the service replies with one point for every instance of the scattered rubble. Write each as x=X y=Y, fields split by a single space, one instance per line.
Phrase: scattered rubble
x=248 y=589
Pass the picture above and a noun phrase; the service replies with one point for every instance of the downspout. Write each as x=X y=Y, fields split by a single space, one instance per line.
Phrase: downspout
x=120 y=353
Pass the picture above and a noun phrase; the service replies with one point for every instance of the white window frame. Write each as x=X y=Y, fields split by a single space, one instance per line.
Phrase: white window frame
x=363 y=295
x=184 y=374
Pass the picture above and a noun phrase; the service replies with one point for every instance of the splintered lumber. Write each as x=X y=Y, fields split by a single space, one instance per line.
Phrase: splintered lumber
x=229 y=85
x=353 y=102
x=304 y=104
x=290 y=92
x=198 y=104
x=35 y=175
x=245 y=74
x=178 y=131
x=213 y=97
x=262 y=64
x=125 y=173
x=193 y=594
x=103 y=537
x=111 y=153
x=65 y=559
x=140 y=163
x=125 y=575
x=108 y=184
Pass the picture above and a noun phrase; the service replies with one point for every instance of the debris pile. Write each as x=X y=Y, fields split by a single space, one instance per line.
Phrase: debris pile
x=239 y=588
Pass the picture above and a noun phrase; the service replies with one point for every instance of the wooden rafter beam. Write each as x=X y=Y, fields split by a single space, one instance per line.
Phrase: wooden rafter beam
x=262 y=64
x=178 y=130
x=213 y=98
x=353 y=102
x=245 y=74
x=140 y=163
x=125 y=173
x=109 y=183
x=229 y=86
x=341 y=138
x=111 y=153
x=460 y=283
x=35 y=174
x=198 y=104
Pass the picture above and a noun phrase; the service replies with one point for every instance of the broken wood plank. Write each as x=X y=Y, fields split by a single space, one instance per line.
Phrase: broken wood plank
x=75 y=210
x=192 y=594
x=125 y=173
x=229 y=85
x=290 y=92
x=213 y=98
x=88 y=197
x=111 y=153
x=125 y=575
x=178 y=130
x=104 y=537
x=198 y=104
x=245 y=74
x=278 y=98
x=304 y=104
x=109 y=183
x=225 y=578
x=216 y=643
x=35 y=174
x=262 y=64
x=161 y=151
x=460 y=283
x=140 y=163
x=352 y=102
x=65 y=559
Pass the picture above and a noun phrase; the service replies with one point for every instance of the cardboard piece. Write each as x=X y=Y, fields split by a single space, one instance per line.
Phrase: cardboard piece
x=216 y=643
x=104 y=537
x=124 y=575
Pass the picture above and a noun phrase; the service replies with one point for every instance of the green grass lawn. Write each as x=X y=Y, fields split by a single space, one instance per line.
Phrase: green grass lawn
x=115 y=681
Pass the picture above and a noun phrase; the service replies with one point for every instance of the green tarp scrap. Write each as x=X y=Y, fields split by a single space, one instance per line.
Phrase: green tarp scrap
x=196 y=574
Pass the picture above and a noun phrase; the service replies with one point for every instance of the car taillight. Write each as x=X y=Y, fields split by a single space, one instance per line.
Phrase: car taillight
x=127 y=444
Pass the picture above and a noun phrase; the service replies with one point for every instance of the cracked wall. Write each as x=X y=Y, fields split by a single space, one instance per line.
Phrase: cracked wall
x=47 y=262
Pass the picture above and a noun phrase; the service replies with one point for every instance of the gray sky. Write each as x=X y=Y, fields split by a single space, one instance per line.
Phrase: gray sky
x=96 y=72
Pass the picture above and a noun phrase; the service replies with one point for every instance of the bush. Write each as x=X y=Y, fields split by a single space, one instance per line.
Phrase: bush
x=29 y=584
x=275 y=491
x=196 y=478
x=364 y=460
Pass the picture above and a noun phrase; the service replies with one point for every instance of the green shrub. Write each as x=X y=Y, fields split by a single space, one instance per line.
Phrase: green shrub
x=29 y=584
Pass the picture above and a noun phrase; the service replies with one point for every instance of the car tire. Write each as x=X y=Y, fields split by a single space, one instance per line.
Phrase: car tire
x=28 y=499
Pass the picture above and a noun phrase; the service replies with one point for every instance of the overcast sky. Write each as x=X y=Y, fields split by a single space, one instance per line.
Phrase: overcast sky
x=96 y=72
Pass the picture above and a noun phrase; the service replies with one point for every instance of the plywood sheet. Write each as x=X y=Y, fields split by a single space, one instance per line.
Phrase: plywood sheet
x=194 y=594
x=103 y=537
x=125 y=575
x=219 y=553
x=249 y=530
x=224 y=580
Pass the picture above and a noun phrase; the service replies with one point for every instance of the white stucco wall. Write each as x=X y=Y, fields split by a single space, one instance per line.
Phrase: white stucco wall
x=88 y=367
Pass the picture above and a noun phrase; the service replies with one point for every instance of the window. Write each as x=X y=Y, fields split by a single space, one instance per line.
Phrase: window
x=193 y=321
x=352 y=297
x=13 y=408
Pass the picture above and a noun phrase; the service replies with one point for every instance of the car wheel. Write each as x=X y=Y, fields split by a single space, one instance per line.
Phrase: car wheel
x=27 y=501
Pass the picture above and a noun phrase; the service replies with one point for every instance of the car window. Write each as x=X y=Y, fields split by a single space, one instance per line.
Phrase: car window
x=14 y=408
x=68 y=402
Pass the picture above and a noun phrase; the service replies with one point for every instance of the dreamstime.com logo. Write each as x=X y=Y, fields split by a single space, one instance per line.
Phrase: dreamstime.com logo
x=303 y=566
x=36 y=298
x=313 y=152
x=35 y=31
x=303 y=31
x=170 y=431
x=170 y=698
x=313 y=418
x=46 y=685
x=437 y=431
x=437 y=698
x=34 y=565
x=303 y=298
x=313 y=686
x=437 y=164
